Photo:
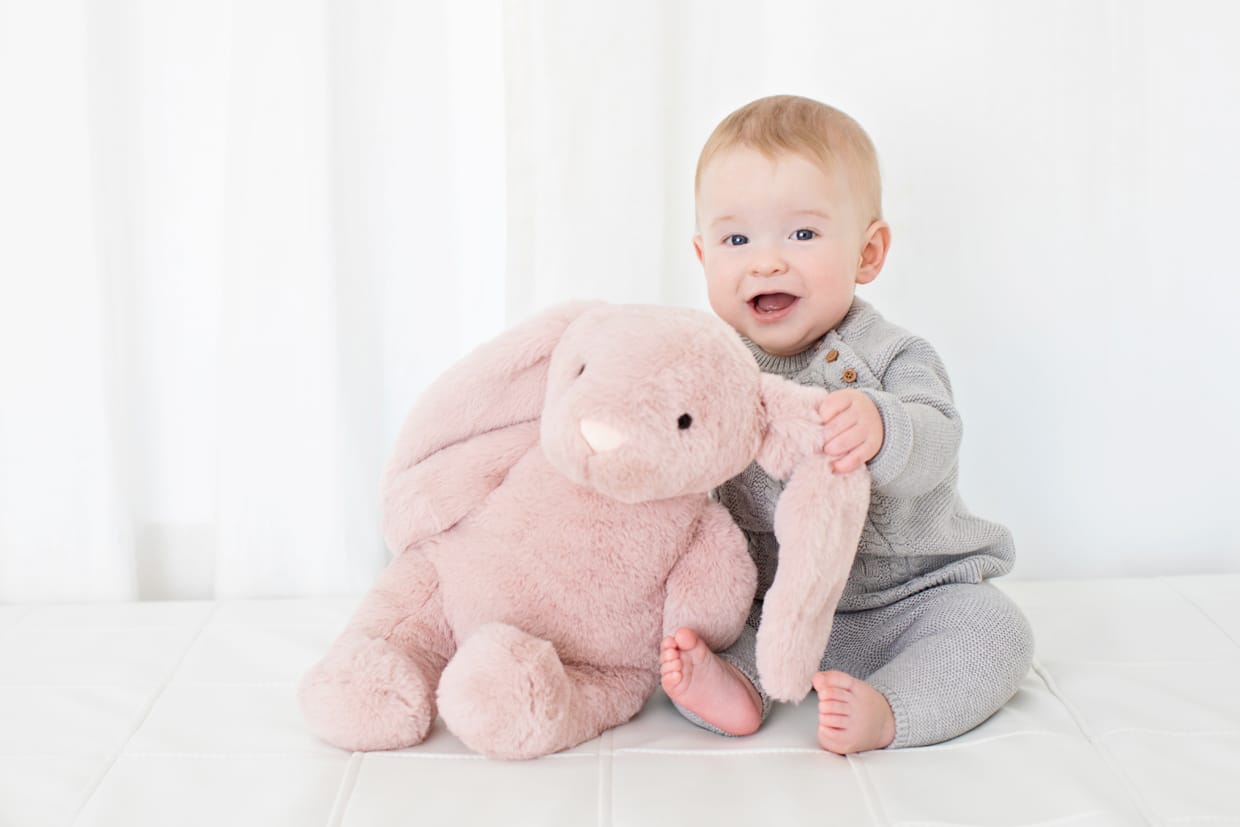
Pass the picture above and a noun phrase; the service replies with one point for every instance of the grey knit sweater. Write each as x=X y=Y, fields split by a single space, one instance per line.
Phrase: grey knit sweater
x=918 y=532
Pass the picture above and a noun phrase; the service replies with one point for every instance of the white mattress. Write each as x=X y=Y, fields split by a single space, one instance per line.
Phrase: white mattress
x=184 y=714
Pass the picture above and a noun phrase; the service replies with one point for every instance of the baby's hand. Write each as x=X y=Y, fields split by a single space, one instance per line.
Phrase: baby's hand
x=854 y=429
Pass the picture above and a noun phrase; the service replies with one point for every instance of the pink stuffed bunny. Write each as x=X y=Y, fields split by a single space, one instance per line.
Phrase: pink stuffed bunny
x=547 y=508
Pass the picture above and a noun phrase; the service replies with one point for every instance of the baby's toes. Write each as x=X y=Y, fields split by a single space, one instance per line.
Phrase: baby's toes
x=671 y=677
x=834 y=684
x=833 y=709
x=839 y=741
x=685 y=639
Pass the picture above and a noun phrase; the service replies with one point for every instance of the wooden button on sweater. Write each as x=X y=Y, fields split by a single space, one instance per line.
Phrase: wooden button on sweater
x=832 y=355
x=849 y=375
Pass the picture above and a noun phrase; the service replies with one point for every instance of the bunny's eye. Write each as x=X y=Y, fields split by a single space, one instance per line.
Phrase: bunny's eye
x=684 y=422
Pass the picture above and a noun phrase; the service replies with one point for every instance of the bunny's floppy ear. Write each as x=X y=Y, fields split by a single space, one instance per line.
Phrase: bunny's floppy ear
x=499 y=385
x=818 y=523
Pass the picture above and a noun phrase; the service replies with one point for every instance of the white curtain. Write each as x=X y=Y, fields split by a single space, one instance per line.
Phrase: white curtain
x=236 y=239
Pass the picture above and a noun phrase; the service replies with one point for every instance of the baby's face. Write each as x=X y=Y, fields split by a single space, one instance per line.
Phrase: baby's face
x=781 y=244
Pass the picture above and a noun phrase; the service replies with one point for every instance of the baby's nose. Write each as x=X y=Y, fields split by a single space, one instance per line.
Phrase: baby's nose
x=767 y=263
x=600 y=436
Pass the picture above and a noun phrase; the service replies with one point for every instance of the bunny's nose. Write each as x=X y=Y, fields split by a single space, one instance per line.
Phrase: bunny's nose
x=600 y=436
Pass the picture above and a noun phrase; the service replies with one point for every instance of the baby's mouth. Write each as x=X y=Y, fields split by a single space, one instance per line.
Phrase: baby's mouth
x=771 y=303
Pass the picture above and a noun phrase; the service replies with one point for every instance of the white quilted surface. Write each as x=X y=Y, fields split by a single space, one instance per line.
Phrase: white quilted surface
x=184 y=714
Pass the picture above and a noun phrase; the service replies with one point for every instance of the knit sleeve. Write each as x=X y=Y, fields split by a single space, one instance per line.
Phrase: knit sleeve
x=921 y=427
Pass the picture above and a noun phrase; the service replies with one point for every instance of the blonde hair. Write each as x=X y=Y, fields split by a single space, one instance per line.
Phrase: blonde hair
x=823 y=134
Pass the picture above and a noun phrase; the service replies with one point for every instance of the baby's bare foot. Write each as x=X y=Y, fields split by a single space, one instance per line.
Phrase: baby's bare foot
x=713 y=689
x=852 y=715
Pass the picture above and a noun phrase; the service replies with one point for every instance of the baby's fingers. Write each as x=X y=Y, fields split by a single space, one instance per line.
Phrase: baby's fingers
x=843 y=423
x=849 y=462
x=844 y=442
x=833 y=405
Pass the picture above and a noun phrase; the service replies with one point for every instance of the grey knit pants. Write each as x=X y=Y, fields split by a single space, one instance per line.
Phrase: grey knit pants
x=946 y=658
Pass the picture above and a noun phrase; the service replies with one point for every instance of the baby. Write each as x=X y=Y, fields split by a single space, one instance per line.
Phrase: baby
x=789 y=221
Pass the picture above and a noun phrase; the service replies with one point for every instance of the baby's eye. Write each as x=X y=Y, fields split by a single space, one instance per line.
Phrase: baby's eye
x=804 y=235
x=736 y=240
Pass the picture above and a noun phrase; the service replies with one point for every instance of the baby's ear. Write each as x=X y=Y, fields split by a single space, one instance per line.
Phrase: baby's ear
x=793 y=429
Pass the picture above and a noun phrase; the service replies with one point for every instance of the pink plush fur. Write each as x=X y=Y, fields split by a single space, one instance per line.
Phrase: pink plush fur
x=818 y=522
x=547 y=505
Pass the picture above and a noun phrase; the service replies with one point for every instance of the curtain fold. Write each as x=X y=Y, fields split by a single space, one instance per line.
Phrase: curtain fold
x=64 y=470
x=238 y=240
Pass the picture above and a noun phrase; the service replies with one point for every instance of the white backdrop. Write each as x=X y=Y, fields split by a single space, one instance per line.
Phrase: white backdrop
x=236 y=240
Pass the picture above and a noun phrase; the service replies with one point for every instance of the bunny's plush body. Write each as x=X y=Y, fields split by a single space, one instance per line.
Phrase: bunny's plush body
x=547 y=505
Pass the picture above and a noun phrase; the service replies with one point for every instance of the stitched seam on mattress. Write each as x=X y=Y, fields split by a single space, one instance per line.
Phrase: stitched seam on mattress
x=950 y=745
x=954 y=744
x=873 y=801
x=284 y=753
x=1126 y=783
x=1195 y=733
x=146 y=713
x=719 y=753
x=413 y=754
x=606 y=805
x=1054 y=822
x=1204 y=613
x=344 y=793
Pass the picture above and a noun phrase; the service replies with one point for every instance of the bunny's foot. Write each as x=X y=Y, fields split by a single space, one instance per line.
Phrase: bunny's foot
x=367 y=694
x=506 y=694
